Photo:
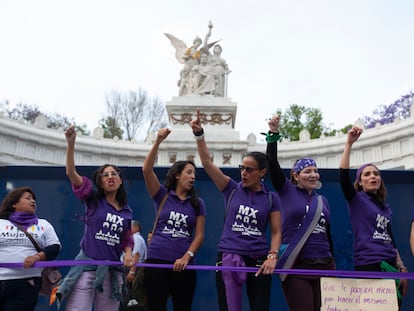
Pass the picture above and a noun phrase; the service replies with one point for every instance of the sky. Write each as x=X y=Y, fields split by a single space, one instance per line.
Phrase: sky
x=344 y=57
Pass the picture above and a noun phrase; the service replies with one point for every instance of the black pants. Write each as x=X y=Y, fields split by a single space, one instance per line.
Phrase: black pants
x=19 y=294
x=160 y=284
x=303 y=292
x=258 y=287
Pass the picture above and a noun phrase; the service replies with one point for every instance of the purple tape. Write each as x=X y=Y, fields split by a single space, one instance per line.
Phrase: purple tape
x=327 y=273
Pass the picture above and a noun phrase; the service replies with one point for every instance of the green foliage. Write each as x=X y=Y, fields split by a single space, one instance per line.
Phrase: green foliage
x=314 y=122
x=297 y=118
x=83 y=128
x=110 y=127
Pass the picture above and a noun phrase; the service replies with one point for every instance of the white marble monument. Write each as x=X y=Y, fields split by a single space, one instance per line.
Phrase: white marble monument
x=202 y=84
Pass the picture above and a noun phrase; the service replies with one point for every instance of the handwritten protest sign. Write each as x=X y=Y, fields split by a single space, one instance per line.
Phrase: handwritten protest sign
x=341 y=294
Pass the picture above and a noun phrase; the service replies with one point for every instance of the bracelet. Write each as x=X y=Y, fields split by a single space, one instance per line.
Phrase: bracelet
x=276 y=251
x=199 y=133
x=190 y=253
x=271 y=256
x=199 y=137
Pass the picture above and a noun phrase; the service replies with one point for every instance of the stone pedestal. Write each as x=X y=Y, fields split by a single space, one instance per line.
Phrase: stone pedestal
x=218 y=116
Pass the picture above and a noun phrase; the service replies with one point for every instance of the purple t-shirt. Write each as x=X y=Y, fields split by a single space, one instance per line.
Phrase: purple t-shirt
x=295 y=208
x=246 y=220
x=371 y=225
x=175 y=227
x=107 y=231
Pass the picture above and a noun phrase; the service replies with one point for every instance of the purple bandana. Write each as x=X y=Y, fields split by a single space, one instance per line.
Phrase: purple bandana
x=302 y=163
x=360 y=169
x=23 y=219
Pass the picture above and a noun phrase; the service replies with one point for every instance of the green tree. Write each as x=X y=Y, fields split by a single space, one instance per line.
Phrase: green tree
x=314 y=122
x=297 y=118
x=111 y=128
x=292 y=122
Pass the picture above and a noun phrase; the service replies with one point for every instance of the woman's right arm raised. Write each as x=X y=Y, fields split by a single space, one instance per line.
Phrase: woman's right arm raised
x=151 y=179
x=71 y=172
x=212 y=170
x=352 y=136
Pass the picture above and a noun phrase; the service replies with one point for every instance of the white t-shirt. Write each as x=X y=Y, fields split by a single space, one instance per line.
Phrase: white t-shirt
x=140 y=247
x=15 y=246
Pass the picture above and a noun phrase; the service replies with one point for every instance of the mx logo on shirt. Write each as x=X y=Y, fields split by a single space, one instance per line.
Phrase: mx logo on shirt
x=111 y=227
x=246 y=221
x=177 y=225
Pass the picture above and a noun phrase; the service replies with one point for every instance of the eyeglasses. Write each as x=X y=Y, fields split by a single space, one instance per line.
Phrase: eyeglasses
x=247 y=169
x=109 y=174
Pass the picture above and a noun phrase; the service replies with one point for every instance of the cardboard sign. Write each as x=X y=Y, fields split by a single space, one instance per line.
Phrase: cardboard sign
x=341 y=294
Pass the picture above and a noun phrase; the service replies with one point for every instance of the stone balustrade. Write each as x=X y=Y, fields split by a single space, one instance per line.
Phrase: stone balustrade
x=389 y=146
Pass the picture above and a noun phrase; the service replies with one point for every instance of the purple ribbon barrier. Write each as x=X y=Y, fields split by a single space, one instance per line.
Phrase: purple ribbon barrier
x=326 y=273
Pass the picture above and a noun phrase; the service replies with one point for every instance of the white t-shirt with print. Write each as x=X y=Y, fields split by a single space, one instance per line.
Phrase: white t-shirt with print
x=15 y=246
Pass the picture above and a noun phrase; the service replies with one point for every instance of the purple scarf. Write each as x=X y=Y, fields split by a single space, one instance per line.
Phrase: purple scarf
x=233 y=281
x=23 y=219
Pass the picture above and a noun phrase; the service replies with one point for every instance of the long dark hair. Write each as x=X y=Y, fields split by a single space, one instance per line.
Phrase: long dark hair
x=12 y=198
x=121 y=194
x=171 y=181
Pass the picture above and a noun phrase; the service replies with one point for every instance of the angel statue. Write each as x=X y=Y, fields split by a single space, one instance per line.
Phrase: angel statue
x=190 y=56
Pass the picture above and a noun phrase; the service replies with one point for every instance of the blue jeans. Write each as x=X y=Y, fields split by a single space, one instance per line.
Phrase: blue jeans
x=19 y=294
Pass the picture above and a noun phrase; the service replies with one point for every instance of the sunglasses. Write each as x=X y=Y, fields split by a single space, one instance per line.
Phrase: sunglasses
x=247 y=169
x=109 y=174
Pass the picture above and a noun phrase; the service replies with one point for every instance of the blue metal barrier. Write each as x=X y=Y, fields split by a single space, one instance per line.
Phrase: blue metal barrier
x=56 y=203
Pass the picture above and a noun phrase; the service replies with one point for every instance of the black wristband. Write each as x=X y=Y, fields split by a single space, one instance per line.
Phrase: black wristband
x=199 y=133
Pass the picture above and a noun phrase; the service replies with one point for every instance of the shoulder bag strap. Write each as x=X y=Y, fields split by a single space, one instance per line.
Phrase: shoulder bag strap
x=291 y=253
x=229 y=200
x=38 y=248
x=159 y=212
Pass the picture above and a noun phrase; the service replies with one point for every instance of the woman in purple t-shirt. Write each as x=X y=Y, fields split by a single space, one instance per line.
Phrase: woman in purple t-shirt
x=179 y=232
x=370 y=215
x=305 y=225
x=107 y=234
x=249 y=208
